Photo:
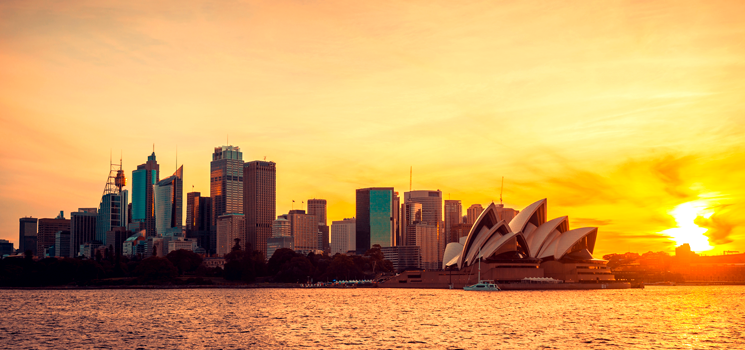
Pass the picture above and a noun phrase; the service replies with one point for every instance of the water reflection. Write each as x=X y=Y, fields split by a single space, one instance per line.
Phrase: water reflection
x=657 y=317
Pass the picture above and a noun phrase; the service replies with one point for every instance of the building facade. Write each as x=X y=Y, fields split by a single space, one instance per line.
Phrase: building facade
x=304 y=230
x=229 y=228
x=473 y=213
x=453 y=216
x=281 y=236
x=343 y=236
x=431 y=214
x=198 y=211
x=403 y=257
x=428 y=243
x=411 y=213
x=62 y=244
x=143 y=198
x=169 y=204
x=226 y=186
x=48 y=228
x=375 y=218
x=259 y=203
x=82 y=228
x=27 y=234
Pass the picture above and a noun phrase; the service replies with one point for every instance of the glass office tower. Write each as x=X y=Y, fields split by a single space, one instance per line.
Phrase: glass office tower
x=375 y=218
x=143 y=204
x=168 y=204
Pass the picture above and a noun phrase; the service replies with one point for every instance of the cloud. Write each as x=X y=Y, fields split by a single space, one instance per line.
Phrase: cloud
x=590 y=222
x=720 y=225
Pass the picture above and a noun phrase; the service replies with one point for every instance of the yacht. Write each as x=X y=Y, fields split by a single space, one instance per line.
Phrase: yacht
x=486 y=285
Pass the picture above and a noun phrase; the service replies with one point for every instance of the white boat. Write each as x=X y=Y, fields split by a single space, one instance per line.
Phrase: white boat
x=485 y=285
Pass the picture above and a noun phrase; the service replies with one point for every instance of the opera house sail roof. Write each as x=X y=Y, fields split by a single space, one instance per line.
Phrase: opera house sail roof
x=528 y=236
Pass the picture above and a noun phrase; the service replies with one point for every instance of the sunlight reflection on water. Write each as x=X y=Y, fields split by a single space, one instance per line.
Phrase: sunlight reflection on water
x=656 y=317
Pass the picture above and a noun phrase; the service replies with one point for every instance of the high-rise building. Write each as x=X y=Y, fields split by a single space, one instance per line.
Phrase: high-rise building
x=304 y=230
x=143 y=198
x=48 y=228
x=428 y=242
x=27 y=235
x=259 y=202
x=473 y=213
x=168 y=204
x=198 y=210
x=317 y=207
x=62 y=244
x=281 y=236
x=229 y=228
x=398 y=235
x=431 y=214
x=112 y=212
x=453 y=216
x=226 y=186
x=343 y=236
x=375 y=218
x=411 y=213
x=82 y=228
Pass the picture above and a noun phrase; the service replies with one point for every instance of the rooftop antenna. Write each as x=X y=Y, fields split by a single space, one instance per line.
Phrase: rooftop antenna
x=265 y=158
x=153 y=147
x=500 y=191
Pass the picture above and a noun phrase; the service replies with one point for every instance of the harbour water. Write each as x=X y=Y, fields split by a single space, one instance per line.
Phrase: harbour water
x=695 y=317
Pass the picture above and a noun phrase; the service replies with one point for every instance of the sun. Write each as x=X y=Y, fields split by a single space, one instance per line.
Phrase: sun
x=687 y=231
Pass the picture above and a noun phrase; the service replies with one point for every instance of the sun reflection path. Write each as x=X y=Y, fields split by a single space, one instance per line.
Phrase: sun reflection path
x=687 y=231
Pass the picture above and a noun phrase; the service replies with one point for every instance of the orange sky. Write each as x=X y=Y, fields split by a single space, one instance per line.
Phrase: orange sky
x=617 y=112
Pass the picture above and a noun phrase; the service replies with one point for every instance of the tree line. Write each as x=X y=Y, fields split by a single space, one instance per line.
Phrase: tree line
x=183 y=267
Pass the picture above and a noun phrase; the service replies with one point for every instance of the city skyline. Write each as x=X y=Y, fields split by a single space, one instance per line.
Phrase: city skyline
x=625 y=116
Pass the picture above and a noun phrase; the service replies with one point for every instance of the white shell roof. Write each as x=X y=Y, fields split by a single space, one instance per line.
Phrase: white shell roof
x=489 y=236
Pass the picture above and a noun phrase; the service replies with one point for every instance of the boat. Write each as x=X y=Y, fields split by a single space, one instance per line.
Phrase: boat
x=485 y=285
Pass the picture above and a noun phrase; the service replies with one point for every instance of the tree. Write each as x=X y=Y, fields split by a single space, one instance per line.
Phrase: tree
x=155 y=270
x=184 y=260
x=237 y=245
x=297 y=269
x=279 y=258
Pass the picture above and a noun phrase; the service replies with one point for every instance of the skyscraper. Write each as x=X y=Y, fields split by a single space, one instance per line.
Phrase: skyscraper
x=317 y=207
x=431 y=214
x=259 y=202
x=453 y=216
x=304 y=230
x=48 y=229
x=473 y=213
x=374 y=207
x=226 y=186
x=27 y=235
x=168 y=204
x=343 y=236
x=411 y=213
x=82 y=228
x=143 y=199
x=198 y=211
x=112 y=212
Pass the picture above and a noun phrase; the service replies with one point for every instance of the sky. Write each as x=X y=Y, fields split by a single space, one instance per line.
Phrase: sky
x=626 y=115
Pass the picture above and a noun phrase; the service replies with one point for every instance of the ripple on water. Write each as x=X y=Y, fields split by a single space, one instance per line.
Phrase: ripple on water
x=657 y=317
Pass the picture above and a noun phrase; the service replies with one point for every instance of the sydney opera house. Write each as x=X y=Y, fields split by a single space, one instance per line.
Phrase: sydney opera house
x=515 y=254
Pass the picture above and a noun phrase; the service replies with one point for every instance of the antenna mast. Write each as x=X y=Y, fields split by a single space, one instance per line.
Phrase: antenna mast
x=411 y=175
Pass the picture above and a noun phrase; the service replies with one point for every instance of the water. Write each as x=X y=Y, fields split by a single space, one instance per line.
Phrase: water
x=653 y=318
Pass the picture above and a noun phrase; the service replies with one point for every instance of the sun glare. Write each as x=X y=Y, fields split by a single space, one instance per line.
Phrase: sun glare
x=687 y=231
